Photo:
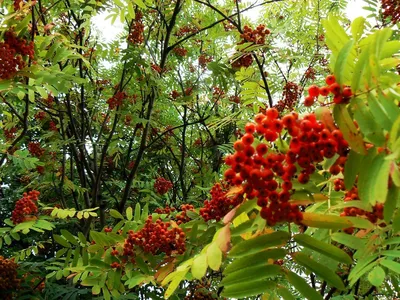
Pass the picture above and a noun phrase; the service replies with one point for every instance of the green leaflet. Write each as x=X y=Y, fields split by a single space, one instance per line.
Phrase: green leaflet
x=254 y=259
x=248 y=274
x=348 y=240
x=319 y=269
x=302 y=286
x=323 y=248
x=258 y=243
x=247 y=289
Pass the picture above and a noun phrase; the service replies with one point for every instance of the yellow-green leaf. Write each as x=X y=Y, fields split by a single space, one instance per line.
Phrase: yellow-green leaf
x=325 y=221
x=214 y=256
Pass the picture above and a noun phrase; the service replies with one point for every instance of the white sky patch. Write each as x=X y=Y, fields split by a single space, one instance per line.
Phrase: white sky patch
x=354 y=9
x=108 y=32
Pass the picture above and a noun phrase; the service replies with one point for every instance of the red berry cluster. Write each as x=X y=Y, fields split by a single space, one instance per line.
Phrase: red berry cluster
x=218 y=93
x=165 y=210
x=21 y=46
x=12 y=51
x=175 y=94
x=373 y=217
x=234 y=99
x=162 y=185
x=156 y=237
x=341 y=94
x=53 y=126
x=40 y=115
x=244 y=60
x=256 y=36
x=10 y=133
x=268 y=176
x=40 y=169
x=8 y=278
x=136 y=35
x=220 y=203
x=310 y=73
x=115 y=265
x=290 y=95
x=156 y=68
x=180 y=51
x=182 y=216
x=17 y=4
x=25 y=206
x=187 y=29
x=35 y=149
x=391 y=9
x=49 y=101
x=108 y=229
x=204 y=59
x=116 y=100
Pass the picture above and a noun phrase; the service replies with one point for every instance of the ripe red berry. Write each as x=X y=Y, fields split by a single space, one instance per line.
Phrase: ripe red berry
x=313 y=91
x=309 y=101
x=347 y=92
x=324 y=91
x=272 y=113
x=250 y=128
x=238 y=145
x=330 y=79
x=335 y=88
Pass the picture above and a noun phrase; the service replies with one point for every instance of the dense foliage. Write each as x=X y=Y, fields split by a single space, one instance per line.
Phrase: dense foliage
x=201 y=154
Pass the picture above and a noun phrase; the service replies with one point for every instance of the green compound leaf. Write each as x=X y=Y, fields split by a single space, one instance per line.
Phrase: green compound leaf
x=259 y=243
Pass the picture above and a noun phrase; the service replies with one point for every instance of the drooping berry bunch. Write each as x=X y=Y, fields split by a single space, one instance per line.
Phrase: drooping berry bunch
x=341 y=93
x=12 y=51
x=116 y=100
x=245 y=60
x=9 y=282
x=162 y=185
x=165 y=210
x=217 y=92
x=391 y=9
x=181 y=216
x=204 y=59
x=374 y=217
x=175 y=94
x=53 y=126
x=187 y=29
x=220 y=203
x=35 y=149
x=156 y=68
x=115 y=265
x=234 y=99
x=310 y=73
x=136 y=35
x=10 y=133
x=256 y=36
x=290 y=95
x=40 y=115
x=180 y=51
x=21 y=46
x=17 y=4
x=268 y=175
x=156 y=237
x=25 y=206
